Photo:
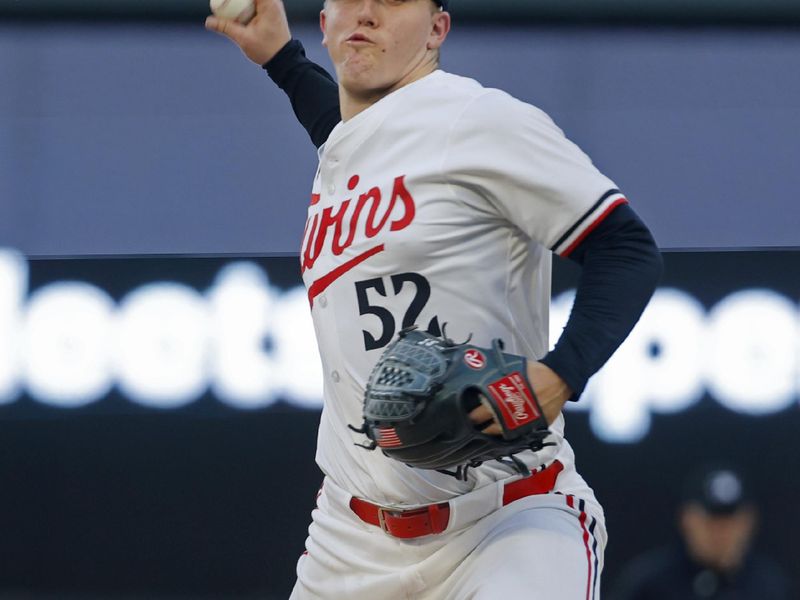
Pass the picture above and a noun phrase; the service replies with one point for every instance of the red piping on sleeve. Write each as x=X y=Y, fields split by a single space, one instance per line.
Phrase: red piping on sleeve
x=591 y=227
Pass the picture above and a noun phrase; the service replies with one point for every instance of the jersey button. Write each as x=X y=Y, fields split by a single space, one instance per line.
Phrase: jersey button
x=331 y=189
x=335 y=376
x=323 y=301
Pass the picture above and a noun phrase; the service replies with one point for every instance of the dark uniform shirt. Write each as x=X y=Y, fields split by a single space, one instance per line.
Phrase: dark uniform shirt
x=670 y=574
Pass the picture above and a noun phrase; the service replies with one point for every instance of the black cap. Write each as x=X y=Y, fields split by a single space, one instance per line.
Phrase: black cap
x=719 y=489
x=442 y=3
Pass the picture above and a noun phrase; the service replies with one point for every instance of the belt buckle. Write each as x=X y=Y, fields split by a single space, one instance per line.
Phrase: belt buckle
x=382 y=520
x=392 y=512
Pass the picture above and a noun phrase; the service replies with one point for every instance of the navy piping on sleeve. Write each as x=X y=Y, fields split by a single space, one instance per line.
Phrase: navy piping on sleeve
x=572 y=238
x=585 y=216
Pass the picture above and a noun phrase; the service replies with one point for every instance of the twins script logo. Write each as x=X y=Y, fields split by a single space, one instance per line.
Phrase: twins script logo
x=475 y=359
x=335 y=228
x=515 y=400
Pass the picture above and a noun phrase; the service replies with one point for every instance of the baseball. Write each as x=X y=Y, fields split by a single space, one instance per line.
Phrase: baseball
x=240 y=11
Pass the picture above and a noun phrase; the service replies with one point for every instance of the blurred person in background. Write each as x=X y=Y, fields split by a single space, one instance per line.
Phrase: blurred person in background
x=717 y=521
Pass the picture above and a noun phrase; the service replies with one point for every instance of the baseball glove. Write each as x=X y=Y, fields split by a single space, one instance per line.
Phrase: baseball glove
x=421 y=391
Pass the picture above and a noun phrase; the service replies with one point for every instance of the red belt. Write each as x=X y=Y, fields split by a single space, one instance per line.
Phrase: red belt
x=433 y=518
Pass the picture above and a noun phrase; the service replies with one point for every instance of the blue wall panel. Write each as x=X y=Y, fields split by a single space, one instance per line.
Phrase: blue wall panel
x=163 y=139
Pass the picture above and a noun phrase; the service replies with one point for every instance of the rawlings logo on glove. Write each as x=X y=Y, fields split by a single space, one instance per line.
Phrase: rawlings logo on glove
x=516 y=401
x=421 y=391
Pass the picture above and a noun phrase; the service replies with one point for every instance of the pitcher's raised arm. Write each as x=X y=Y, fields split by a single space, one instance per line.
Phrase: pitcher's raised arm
x=267 y=41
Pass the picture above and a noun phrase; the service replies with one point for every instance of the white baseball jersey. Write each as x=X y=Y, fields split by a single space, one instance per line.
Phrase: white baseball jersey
x=438 y=204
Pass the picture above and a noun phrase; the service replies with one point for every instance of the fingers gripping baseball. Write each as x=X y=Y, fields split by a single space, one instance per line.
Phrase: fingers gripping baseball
x=231 y=29
x=262 y=37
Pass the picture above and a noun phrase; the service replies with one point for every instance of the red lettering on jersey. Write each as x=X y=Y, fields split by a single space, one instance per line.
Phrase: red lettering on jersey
x=310 y=255
x=400 y=191
x=321 y=284
x=330 y=219
x=409 y=210
x=369 y=228
x=317 y=226
x=375 y=195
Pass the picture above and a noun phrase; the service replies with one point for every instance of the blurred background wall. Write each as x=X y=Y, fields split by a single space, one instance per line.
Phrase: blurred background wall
x=153 y=187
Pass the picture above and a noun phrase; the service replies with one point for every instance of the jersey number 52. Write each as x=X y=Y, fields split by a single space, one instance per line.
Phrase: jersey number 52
x=422 y=293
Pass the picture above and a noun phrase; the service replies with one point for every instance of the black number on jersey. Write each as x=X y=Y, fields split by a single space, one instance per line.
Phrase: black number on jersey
x=388 y=322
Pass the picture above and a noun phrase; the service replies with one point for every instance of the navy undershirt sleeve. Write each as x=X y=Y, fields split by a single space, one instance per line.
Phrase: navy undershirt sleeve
x=312 y=91
x=620 y=262
x=621 y=266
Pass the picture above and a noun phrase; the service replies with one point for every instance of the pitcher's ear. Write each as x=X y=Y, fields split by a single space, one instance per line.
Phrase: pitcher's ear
x=440 y=27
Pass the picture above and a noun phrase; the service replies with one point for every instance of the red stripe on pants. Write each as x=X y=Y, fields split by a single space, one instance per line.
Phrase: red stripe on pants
x=582 y=519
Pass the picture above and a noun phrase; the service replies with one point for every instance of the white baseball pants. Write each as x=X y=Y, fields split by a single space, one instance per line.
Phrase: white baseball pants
x=547 y=547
